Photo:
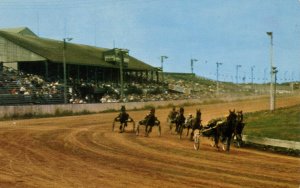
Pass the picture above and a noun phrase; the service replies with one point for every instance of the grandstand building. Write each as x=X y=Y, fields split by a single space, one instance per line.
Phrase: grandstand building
x=24 y=51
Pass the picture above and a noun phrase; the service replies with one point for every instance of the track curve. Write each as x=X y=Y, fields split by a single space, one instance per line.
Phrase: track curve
x=82 y=151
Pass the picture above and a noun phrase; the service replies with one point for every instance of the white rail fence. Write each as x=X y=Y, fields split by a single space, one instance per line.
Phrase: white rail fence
x=20 y=110
x=272 y=142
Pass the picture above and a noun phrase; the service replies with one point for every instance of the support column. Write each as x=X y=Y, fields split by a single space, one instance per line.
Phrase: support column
x=152 y=76
x=46 y=70
x=147 y=74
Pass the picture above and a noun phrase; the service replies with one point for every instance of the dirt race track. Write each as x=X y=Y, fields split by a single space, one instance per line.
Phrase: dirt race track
x=82 y=151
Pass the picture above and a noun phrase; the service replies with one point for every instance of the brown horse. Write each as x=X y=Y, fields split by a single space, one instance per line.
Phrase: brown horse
x=222 y=130
x=179 y=120
x=239 y=129
x=171 y=118
x=191 y=123
x=195 y=123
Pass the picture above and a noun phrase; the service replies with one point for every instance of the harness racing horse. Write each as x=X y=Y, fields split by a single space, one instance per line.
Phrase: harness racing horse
x=222 y=130
x=239 y=129
x=195 y=123
x=124 y=119
x=149 y=122
x=171 y=118
x=210 y=130
x=192 y=123
x=180 y=122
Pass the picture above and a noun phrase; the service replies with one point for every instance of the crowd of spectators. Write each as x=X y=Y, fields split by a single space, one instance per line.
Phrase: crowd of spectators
x=111 y=92
x=90 y=91
x=34 y=86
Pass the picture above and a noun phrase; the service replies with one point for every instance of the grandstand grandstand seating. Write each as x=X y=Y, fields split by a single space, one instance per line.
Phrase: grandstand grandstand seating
x=11 y=82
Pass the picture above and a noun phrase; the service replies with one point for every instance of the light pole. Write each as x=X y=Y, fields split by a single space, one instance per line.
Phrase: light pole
x=285 y=79
x=265 y=77
x=192 y=64
x=64 y=68
x=162 y=58
x=252 y=68
x=121 y=53
x=272 y=96
x=237 y=73
x=292 y=83
x=218 y=64
x=274 y=72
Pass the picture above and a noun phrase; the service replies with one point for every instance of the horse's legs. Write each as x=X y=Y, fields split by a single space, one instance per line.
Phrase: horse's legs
x=192 y=134
x=177 y=127
x=228 y=143
x=170 y=124
x=159 y=130
x=239 y=140
x=137 y=130
x=180 y=131
x=146 y=130
x=216 y=139
x=188 y=131
x=121 y=127
x=150 y=129
x=224 y=142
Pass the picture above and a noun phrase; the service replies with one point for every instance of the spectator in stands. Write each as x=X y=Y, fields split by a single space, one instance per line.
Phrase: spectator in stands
x=22 y=90
x=13 y=91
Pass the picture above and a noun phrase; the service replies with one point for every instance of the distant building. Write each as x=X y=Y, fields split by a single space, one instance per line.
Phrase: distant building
x=23 y=50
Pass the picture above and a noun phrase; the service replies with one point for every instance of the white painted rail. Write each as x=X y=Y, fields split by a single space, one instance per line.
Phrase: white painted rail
x=272 y=142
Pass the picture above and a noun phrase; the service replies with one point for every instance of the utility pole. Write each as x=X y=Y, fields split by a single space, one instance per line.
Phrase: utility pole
x=237 y=73
x=252 y=68
x=64 y=67
x=285 y=79
x=265 y=77
x=192 y=64
x=272 y=96
x=274 y=72
x=162 y=66
x=218 y=64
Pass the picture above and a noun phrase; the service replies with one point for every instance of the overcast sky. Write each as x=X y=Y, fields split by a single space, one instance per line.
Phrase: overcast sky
x=232 y=32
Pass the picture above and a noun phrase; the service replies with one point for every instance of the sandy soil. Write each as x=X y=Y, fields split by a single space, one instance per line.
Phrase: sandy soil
x=82 y=151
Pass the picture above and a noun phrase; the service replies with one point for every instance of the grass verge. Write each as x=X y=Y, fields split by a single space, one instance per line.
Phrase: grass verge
x=283 y=124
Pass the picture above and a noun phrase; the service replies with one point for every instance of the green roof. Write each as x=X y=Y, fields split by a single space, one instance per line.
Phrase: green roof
x=20 y=30
x=77 y=54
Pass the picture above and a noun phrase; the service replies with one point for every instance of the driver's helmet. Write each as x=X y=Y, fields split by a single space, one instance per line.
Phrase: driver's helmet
x=152 y=110
x=181 y=110
x=123 y=108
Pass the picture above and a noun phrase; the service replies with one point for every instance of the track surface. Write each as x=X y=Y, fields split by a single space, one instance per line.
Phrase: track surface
x=82 y=151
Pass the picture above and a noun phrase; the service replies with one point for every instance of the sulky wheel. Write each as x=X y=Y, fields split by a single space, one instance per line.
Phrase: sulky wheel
x=197 y=142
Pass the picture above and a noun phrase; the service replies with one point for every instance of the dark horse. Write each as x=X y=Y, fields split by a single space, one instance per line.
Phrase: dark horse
x=239 y=128
x=196 y=123
x=180 y=121
x=222 y=130
x=149 y=121
x=123 y=118
x=192 y=123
